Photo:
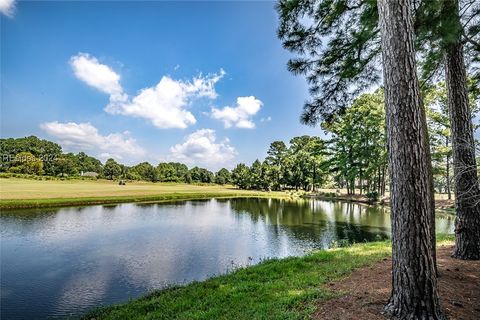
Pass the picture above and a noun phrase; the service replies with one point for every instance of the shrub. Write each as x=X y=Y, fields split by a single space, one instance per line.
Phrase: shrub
x=372 y=196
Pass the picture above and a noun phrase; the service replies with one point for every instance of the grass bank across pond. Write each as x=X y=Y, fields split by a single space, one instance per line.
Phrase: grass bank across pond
x=23 y=193
x=275 y=289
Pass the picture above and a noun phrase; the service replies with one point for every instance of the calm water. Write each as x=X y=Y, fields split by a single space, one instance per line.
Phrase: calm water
x=56 y=263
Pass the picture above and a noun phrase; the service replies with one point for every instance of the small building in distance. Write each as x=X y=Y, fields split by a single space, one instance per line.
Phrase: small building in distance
x=89 y=174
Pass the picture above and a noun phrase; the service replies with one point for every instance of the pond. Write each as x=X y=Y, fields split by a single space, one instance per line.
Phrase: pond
x=61 y=262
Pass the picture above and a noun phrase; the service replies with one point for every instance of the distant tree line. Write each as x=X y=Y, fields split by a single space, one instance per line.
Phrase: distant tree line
x=352 y=155
x=31 y=155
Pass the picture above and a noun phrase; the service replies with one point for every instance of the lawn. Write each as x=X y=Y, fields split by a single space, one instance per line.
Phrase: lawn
x=275 y=289
x=24 y=193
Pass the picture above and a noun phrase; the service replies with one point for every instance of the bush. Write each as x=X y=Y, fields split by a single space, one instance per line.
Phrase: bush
x=11 y=174
x=372 y=196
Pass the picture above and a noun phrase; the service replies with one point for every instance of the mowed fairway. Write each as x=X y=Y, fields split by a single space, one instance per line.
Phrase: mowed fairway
x=34 y=193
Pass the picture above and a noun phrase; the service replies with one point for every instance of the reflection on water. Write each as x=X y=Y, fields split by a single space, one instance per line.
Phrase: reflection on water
x=61 y=262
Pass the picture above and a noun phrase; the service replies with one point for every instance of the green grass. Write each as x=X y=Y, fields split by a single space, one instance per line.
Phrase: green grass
x=24 y=193
x=275 y=289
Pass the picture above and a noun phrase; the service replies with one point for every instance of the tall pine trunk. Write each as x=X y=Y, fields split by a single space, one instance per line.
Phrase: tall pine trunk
x=414 y=280
x=447 y=173
x=467 y=191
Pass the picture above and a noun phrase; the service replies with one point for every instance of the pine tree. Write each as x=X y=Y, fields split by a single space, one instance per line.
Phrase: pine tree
x=338 y=50
x=467 y=189
x=338 y=44
x=414 y=279
x=348 y=64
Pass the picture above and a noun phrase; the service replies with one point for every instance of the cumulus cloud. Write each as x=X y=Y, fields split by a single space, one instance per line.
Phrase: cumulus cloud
x=7 y=7
x=164 y=105
x=85 y=137
x=201 y=148
x=239 y=115
x=97 y=75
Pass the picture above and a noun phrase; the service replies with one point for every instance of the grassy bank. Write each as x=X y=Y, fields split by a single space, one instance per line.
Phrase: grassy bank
x=27 y=193
x=275 y=289
x=23 y=193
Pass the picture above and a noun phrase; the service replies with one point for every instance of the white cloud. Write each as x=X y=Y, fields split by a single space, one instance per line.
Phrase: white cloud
x=7 y=7
x=201 y=148
x=164 y=105
x=239 y=115
x=85 y=137
x=100 y=76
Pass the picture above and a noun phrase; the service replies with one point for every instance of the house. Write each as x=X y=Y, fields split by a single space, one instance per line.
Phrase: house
x=89 y=174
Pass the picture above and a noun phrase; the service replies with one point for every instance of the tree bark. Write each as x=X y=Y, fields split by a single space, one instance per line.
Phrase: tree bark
x=414 y=280
x=447 y=173
x=384 y=178
x=467 y=190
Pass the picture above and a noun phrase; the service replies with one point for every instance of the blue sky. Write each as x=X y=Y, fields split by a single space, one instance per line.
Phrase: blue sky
x=204 y=83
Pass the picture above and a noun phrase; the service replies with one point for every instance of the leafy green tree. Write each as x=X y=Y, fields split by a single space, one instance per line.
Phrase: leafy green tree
x=255 y=175
x=301 y=165
x=111 y=169
x=298 y=163
x=87 y=163
x=132 y=174
x=145 y=171
x=196 y=174
x=267 y=177
x=223 y=176
x=66 y=164
x=357 y=146
x=241 y=176
x=123 y=172
x=181 y=170
x=201 y=175
x=305 y=162
x=207 y=176
x=188 y=177
x=167 y=172
x=440 y=136
x=318 y=174
x=27 y=163
x=275 y=159
x=44 y=150
x=337 y=43
x=436 y=102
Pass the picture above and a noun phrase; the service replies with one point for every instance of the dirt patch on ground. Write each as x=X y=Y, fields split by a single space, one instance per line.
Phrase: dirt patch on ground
x=368 y=289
